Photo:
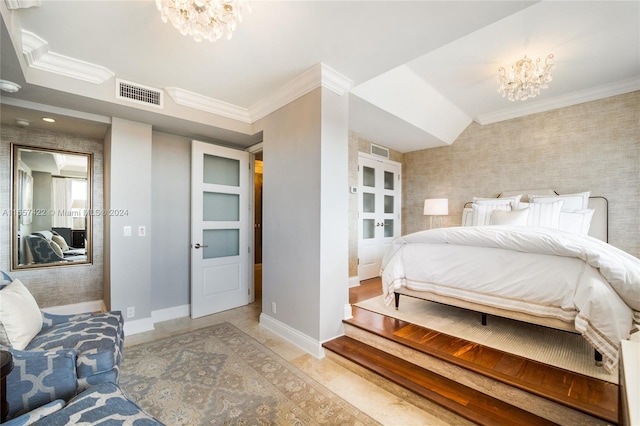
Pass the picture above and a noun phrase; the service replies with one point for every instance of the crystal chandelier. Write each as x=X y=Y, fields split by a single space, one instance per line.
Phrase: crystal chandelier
x=526 y=78
x=202 y=19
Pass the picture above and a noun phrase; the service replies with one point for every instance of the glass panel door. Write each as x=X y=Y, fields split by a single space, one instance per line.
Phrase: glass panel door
x=220 y=228
x=379 y=212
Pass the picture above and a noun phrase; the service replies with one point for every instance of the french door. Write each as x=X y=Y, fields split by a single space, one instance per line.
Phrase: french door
x=220 y=261
x=378 y=212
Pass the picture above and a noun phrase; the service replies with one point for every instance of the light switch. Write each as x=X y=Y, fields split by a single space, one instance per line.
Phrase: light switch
x=127 y=231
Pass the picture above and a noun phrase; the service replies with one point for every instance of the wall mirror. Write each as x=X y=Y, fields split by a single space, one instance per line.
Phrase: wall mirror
x=51 y=208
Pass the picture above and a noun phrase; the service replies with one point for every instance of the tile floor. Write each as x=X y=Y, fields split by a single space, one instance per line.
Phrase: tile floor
x=378 y=403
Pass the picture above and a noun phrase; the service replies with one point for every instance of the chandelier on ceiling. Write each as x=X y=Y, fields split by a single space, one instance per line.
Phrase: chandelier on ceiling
x=526 y=78
x=202 y=19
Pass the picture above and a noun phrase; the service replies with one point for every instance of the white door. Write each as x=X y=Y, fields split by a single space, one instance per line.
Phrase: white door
x=378 y=212
x=220 y=236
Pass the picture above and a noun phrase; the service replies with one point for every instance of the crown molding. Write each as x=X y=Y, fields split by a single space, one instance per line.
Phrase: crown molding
x=601 y=92
x=36 y=53
x=21 y=4
x=204 y=103
x=317 y=76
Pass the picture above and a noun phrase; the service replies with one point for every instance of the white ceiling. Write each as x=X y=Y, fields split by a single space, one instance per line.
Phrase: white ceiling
x=418 y=72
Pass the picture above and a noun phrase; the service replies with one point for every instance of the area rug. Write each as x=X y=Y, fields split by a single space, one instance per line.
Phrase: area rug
x=554 y=347
x=219 y=375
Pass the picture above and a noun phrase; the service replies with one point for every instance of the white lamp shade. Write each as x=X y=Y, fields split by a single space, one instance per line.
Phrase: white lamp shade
x=436 y=207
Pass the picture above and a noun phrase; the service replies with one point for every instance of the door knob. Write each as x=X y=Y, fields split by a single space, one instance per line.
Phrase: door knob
x=200 y=246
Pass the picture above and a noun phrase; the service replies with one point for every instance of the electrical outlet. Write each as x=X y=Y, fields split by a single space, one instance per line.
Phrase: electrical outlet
x=273 y=307
x=142 y=231
x=131 y=312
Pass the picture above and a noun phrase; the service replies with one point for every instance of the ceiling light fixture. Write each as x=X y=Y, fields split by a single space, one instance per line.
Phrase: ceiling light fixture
x=49 y=119
x=526 y=78
x=202 y=19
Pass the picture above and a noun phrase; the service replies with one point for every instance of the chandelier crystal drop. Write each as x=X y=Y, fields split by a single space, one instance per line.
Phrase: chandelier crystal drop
x=202 y=19
x=526 y=78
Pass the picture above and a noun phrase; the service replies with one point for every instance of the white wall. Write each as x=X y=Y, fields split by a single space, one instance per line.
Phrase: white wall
x=128 y=160
x=305 y=216
x=334 y=219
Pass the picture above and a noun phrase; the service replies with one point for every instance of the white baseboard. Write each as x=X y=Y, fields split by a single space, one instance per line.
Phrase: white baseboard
x=354 y=281
x=348 y=311
x=301 y=340
x=171 y=313
x=138 y=326
x=77 y=308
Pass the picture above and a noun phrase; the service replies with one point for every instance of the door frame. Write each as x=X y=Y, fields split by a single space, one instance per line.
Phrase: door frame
x=360 y=192
x=253 y=150
x=245 y=243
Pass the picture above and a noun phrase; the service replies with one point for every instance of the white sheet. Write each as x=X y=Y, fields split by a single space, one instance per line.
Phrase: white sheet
x=538 y=271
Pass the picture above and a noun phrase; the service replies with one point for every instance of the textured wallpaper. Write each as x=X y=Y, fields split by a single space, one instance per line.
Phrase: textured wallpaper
x=593 y=146
x=54 y=286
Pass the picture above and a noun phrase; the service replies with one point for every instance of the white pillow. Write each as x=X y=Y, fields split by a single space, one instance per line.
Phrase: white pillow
x=61 y=242
x=572 y=202
x=20 y=316
x=542 y=192
x=546 y=215
x=577 y=221
x=513 y=200
x=513 y=217
x=482 y=212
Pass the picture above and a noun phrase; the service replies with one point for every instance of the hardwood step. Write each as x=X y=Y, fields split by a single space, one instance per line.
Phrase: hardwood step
x=594 y=397
x=462 y=400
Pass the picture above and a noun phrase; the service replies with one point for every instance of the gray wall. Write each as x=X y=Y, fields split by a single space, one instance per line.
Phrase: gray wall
x=59 y=285
x=128 y=161
x=305 y=212
x=593 y=146
x=170 y=220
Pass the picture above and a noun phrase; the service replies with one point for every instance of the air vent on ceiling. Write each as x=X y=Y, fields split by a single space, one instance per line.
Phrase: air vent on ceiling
x=138 y=93
x=379 y=151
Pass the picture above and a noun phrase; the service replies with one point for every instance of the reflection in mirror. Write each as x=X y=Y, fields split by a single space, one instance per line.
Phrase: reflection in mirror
x=51 y=205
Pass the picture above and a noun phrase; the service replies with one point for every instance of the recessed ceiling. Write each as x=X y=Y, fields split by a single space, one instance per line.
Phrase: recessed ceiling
x=420 y=72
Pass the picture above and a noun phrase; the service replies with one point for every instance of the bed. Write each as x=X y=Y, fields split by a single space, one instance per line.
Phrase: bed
x=533 y=256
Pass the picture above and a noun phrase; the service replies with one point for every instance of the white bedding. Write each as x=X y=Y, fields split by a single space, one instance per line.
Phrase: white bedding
x=538 y=271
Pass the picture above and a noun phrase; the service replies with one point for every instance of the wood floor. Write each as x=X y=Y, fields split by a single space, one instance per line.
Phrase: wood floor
x=595 y=397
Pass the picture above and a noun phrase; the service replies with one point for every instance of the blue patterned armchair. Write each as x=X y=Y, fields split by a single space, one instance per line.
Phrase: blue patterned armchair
x=68 y=353
x=104 y=404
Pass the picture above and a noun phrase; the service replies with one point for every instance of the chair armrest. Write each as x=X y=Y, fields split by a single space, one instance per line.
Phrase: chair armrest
x=49 y=319
x=37 y=414
x=39 y=377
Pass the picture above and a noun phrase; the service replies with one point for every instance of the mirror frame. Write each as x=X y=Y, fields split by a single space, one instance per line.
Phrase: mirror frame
x=16 y=216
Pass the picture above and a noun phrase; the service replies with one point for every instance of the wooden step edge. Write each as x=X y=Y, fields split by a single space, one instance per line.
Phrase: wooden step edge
x=610 y=416
x=462 y=400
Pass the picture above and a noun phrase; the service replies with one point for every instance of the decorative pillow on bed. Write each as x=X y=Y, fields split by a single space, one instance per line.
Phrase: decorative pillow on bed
x=577 y=221
x=524 y=197
x=572 y=202
x=482 y=212
x=514 y=200
x=513 y=217
x=546 y=215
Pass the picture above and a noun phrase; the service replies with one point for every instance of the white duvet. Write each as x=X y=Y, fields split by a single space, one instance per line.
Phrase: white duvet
x=538 y=271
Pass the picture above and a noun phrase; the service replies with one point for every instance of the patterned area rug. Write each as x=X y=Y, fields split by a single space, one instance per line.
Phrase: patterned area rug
x=219 y=375
x=559 y=348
